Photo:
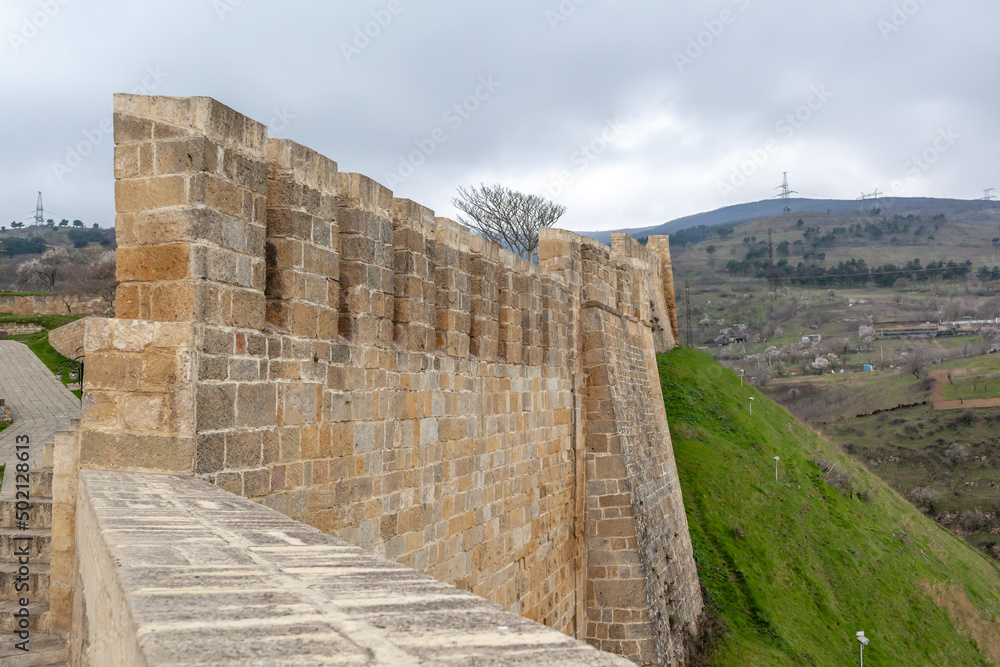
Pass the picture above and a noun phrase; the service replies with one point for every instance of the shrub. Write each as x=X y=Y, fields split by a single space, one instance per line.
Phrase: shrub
x=957 y=453
x=838 y=479
x=925 y=498
x=974 y=520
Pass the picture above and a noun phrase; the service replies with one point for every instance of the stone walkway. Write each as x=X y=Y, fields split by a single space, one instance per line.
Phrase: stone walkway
x=39 y=404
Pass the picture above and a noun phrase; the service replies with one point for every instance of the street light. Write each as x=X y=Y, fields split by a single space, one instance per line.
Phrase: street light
x=751 y=405
x=864 y=643
x=776 y=459
x=742 y=371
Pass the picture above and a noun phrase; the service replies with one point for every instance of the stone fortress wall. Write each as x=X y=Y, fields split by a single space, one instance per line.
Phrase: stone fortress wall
x=18 y=329
x=67 y=340
x=56 y=303
x=298 y=336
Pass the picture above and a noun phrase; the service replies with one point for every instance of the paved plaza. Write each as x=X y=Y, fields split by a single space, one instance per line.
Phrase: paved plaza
x=39 y=404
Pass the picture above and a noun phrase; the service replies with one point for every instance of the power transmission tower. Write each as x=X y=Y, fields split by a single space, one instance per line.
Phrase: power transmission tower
x=875 y=195
x=39 y=218
x=785 y=193
x=687 y=305
x=988 y=198
x=39 y=212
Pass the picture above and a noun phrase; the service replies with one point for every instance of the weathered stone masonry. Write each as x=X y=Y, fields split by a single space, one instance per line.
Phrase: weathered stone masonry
x=56 y=303
x=300 y=337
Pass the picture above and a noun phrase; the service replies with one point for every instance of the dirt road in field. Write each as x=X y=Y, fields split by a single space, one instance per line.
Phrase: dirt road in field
x=939 y=402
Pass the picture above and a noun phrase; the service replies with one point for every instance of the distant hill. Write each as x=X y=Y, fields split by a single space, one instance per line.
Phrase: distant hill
x=772 y=207
x=30 y=240
x=811 y=243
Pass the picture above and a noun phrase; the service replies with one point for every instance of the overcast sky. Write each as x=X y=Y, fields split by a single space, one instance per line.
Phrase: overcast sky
x=629 y=113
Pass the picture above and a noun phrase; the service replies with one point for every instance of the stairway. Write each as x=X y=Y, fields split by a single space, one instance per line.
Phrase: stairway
x=45 y=648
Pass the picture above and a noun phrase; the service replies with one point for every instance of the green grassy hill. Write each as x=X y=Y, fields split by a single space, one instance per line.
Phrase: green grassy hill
x=795 y=567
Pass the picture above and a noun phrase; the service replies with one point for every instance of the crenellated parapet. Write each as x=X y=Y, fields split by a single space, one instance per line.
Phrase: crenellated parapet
x=299 y=336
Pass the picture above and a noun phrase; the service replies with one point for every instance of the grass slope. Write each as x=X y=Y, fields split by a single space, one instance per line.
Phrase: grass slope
x=814 y=565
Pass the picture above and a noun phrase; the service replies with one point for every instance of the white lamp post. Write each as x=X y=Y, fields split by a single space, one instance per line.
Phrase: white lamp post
x=864 y=643
x=776 y=459
x=742 y=371
x=751 y=405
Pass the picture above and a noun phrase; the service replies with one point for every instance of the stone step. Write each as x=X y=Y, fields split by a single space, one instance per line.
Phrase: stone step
x=37 y=580
x=39 y=513
x=38 y=616
x=40 y=483
x=45 y=650
x=48 y=454
x=37 y=548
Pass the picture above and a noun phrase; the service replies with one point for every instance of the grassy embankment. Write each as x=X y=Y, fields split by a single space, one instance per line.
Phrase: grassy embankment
x=948 y=458
x=796 y=567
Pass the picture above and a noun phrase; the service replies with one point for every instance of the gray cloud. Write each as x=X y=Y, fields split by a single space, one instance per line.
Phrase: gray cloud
x=898 y=72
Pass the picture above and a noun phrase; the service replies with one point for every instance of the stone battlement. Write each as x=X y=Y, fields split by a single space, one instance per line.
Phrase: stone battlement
x=296 y=335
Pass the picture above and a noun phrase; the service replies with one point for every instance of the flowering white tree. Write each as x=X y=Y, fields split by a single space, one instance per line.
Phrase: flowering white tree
x=43 y=271
x=866 y=334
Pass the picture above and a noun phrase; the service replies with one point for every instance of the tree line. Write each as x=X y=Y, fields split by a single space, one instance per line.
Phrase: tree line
x=856 y=272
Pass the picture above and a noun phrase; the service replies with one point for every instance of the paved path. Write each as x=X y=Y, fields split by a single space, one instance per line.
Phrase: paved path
x=939 y=402
x=39 y=403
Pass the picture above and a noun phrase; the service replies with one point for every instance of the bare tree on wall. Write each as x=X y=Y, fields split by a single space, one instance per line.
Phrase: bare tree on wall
x=509 y=218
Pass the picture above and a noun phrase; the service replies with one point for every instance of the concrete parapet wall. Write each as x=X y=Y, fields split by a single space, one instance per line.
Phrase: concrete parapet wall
x=298 y=336
x=174 y=571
